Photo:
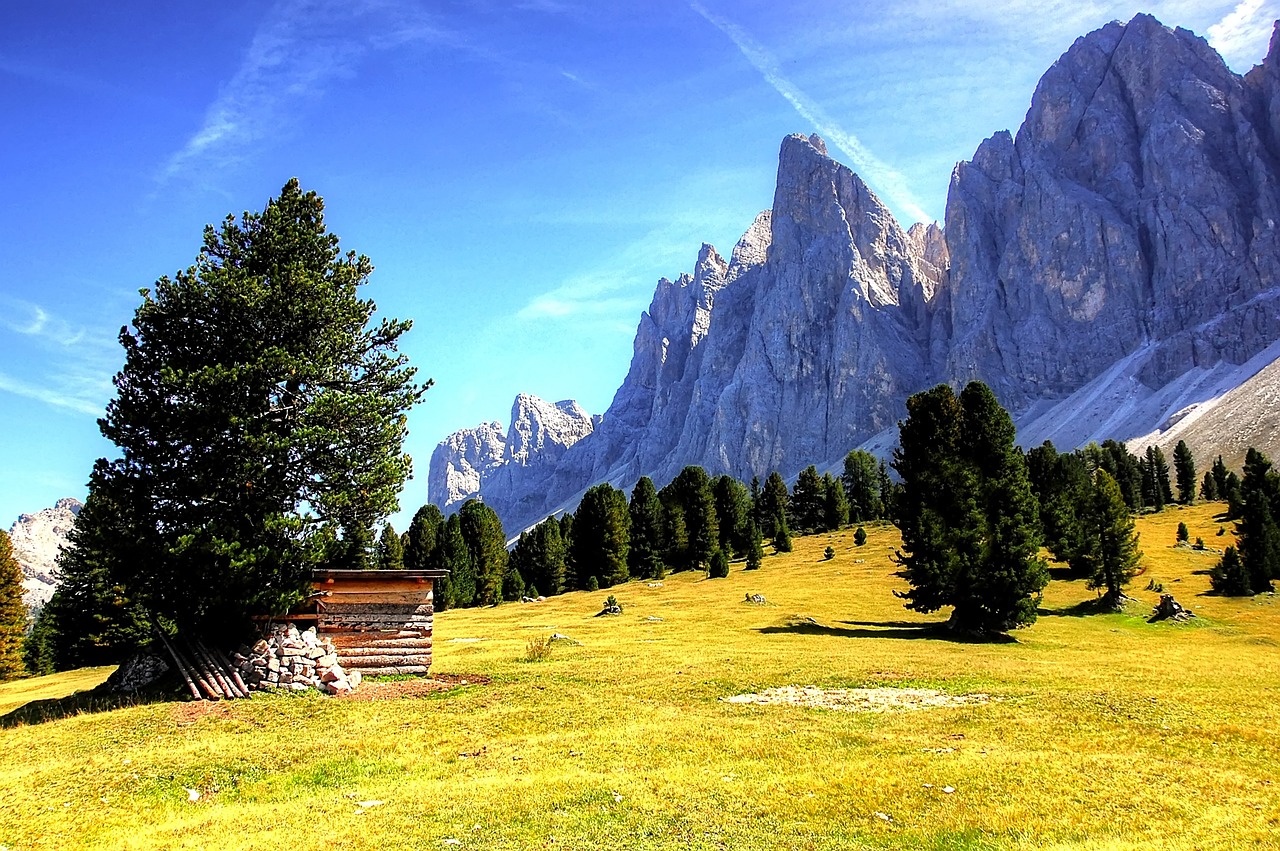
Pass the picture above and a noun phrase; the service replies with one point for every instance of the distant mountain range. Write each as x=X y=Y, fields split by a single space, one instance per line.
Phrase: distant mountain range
x=1111 y=271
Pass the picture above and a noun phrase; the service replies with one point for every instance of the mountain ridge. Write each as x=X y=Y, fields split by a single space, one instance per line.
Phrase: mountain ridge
x=1119 y=250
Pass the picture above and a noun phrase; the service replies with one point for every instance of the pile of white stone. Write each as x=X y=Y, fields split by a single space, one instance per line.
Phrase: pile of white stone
x=289 y=659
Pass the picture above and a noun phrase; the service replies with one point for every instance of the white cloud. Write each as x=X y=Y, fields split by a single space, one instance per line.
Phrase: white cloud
x=875 y=171
x=1242 y=37
x=32 y=320
x=57 y=398
x=300 y=48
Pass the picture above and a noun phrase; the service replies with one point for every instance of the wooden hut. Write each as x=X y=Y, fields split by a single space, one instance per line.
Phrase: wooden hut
x=378 y=620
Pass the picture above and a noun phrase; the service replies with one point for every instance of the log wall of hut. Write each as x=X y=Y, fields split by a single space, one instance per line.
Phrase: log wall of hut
x=378 y=620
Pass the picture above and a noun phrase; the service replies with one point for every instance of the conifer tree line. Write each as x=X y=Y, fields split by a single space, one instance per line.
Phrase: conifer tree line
x=695 y=522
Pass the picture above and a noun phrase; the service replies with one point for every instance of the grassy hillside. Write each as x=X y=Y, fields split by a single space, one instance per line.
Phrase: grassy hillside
x=1103 y=731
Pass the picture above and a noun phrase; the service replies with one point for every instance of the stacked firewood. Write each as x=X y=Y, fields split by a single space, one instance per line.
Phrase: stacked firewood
x=289 y=659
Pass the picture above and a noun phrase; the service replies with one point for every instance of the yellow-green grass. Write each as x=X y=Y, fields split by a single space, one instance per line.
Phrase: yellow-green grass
x=17 y=693
x=1104 y=732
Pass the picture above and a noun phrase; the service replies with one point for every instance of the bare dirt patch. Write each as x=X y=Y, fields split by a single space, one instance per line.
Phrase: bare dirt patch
x=860 y=699
x=396 y=689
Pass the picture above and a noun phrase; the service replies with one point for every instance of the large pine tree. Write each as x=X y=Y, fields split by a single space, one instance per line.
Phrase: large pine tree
x=691 y=489
x=772 y=505
x=644 y=558
x=422 y=550
x=1258 y=529
x=602 y=536
x=259 y=402
x=861 y=481
x=968 y=518
x=733 y=514
x=487 y=546
x=1111 y=548
x=808 y=502
x=1184 y=470
x=390 y=552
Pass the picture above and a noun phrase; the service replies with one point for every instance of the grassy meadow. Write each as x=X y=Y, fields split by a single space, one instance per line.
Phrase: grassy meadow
x=1102 y=732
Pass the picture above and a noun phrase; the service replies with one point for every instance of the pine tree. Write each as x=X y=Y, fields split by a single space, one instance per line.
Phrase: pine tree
x=968 y=517
x=733 y=511
x=644 y=558
x=835 y=507
x=1184 y=467
x=675 y=533
x=566 y=538
x=487 y=545
x=1219 y=473
x=692 y=490
x=1125 y=468
x=861 y=480
x=1114 y=554
x=782 y=537
x=1183 y=534
x=13 y=613
x=1162 y=491
x=1209 y=487
x=542 y=561
x=774 y=501
x=458 y=589
x=390 y=555
x=718 y=567
x=258 y=401
x=1257 y=530
x=1229 y=577
x=602 y=535
x=92 y=619
x=859 y=537
x=755 y=547
x=808 y=502
x=421 y=551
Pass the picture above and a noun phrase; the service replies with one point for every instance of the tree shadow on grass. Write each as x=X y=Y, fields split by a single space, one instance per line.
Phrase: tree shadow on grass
x=1062 y=574
x=1084 y=609
x=89 y=702
x=883 y=629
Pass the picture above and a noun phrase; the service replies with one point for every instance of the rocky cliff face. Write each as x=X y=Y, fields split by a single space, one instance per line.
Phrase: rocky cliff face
x=1118 y=258
x=1138 y=204
x=484 y=459
x=36 y=539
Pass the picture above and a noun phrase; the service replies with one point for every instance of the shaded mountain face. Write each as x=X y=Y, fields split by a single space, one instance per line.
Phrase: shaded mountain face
x=1118 y=258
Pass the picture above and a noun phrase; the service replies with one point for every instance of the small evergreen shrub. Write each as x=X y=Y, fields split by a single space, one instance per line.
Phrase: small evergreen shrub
x=1183 y=533
x=718 y=568
x=593 y=584
x=828 y=553
x=860 y=536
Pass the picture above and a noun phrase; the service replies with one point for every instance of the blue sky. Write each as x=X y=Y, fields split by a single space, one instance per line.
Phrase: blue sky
x=520 y=173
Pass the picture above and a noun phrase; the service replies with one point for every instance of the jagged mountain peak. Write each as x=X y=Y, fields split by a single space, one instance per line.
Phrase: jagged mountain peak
x=1117 y=257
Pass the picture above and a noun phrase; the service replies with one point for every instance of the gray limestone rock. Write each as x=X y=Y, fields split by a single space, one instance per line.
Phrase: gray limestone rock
x=1114 y=263
x=37 y=539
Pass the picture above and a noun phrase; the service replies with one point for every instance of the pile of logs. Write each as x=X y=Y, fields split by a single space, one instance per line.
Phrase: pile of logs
x=206 y=672
x=288 y=659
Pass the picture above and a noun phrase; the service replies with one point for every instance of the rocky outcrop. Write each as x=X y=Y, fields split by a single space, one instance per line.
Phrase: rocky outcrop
x=36 y=539
x=1138 y=205
x=485 y=460
x=1114 y=263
